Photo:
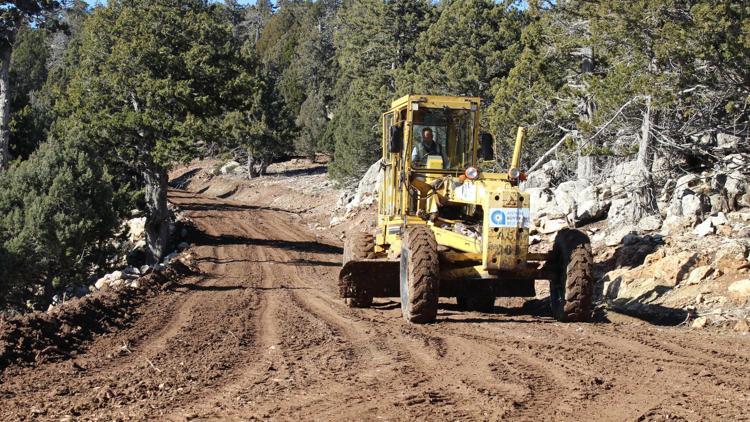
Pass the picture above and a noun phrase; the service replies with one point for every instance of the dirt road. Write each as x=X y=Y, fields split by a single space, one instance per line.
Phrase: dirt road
x=261 y=334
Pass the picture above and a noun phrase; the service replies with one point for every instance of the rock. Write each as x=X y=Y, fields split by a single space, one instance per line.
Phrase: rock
x=740 y=288
x=368 y=187
x=741 y=326
x=135 y=284
x=719 y=220
x=669 y=270
x=169 y=258
x=568 y=195
x=618 y=234
x=336 y=220
x=730 y=257
x=159 y=267
x=552 y=226
x=131 y=270
x=589 y=206
x=699 y=322
x=229 y=167
x=737 y=161
x=549 y=175
x=699 y=274
x=674 y=224
x=542 y=203
x=727 y=141
x=650 y=223
x=183 y=245
x=145 y=269
x=115 y=275
x=136 y=229
x=704 y=229
x=695 y=205
x=620 y=212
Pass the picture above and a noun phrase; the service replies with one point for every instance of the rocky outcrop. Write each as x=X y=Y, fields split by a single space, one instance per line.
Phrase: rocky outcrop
x=365 y=194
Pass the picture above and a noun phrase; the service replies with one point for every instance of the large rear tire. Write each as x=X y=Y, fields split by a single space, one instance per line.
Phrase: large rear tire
x=572 y=289
x=358 y=246
x=419 y=275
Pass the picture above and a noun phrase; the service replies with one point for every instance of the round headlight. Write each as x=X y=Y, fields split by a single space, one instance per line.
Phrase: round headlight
x=471 y=173
x=514 y=173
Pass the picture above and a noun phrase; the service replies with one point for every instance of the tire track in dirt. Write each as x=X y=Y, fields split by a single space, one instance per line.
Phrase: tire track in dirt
x=262 y=334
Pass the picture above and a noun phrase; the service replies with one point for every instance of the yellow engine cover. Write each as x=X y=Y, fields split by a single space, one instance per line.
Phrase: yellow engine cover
x=505 y=233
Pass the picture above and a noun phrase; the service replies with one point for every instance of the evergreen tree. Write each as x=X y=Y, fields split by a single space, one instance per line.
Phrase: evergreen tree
x=57 y=212
x=150 y=95
x=468 y=50
x=13 y=16
x=366 y=83
x=28 y=73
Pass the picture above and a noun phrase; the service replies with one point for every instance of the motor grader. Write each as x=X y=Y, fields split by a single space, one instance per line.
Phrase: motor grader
x=447 y=229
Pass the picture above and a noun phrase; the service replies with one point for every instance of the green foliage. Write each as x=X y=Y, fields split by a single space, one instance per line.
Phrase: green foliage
x=468 y=50
x=28 y=73
x=57 y=211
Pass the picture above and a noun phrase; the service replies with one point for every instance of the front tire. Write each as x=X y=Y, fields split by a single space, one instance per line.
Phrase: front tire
x=359 y=246
x=419 y=275
x=572 y=289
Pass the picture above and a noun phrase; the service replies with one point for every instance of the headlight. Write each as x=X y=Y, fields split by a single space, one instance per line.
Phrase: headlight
x=514 y=173
x=471 y=173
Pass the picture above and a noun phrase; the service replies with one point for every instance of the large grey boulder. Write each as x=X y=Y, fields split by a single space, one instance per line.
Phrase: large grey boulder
x=368 y=187
x=549 y=175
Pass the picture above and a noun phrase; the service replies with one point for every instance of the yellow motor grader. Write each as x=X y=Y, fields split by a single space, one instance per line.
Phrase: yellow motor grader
x=447 y=229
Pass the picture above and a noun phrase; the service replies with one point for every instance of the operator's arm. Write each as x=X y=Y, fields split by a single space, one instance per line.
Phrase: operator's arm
x=415 y=155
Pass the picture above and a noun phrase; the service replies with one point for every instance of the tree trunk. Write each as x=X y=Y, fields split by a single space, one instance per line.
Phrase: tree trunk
x=644 y=198
x=157 y=214
x=5 y=53
x=250 y=164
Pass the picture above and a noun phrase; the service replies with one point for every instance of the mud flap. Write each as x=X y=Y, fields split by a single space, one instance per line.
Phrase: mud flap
x=376 y=277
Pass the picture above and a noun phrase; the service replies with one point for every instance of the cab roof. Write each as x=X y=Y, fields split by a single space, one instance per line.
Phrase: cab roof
x=436 y=101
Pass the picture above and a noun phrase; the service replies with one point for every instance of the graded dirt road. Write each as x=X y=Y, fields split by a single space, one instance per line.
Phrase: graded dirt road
x=260 y=333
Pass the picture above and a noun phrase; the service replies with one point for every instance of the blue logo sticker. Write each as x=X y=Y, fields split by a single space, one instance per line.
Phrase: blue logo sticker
x=498 y=218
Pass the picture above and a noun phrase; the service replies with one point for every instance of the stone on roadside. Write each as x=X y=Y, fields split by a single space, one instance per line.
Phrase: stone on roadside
x=101 y=283
x=695 y=205
x=740 y=288
x=699 y=274
x=719 y=219
x=650 y=223
x=704 y=229
x=742 y=326
x=731 y=257
x=229 y=167
x=552 y=226
x=616 y=236
x=699 y=322
x=136 y=229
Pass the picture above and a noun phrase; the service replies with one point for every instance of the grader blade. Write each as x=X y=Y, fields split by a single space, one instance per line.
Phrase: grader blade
x=376 y=277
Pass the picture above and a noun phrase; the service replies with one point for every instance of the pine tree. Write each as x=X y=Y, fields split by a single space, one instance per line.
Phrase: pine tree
x=13 y=17
x=57 y=212
x=150 y=95
x=374 y=39
x=468 y=50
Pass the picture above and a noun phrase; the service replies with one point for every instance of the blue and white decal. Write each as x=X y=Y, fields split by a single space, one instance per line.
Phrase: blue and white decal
x=509 y=217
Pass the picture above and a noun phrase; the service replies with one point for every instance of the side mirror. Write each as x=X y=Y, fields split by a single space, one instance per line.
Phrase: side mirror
x=487 y=143
x=395 y=139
